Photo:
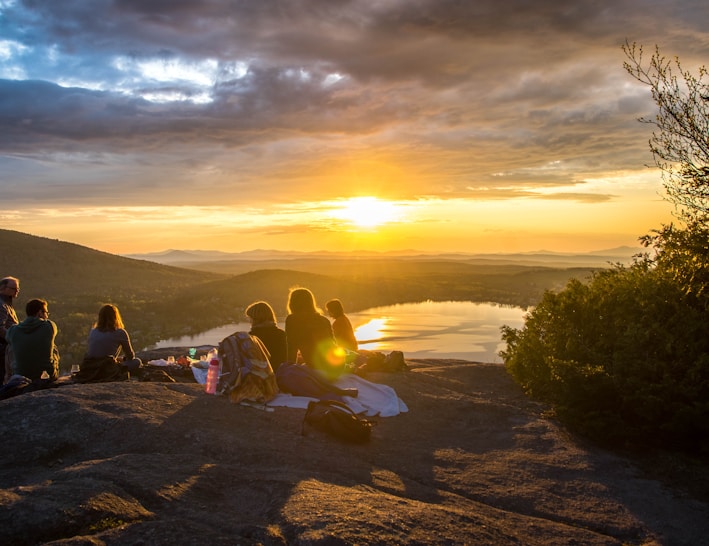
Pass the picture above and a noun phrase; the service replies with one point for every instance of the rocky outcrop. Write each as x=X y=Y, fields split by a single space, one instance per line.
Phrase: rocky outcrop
x=472 y=462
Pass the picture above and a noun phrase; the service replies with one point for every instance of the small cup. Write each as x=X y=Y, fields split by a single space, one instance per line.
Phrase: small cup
x=75 y=369
x=170 y=359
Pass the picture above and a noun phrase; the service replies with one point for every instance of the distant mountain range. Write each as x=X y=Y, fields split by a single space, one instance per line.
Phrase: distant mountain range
x=191 y=258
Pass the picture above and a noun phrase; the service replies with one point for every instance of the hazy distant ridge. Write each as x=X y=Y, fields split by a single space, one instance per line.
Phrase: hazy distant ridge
x=596 y=258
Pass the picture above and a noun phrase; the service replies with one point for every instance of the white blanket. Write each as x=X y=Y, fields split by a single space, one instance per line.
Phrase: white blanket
x=372 y=399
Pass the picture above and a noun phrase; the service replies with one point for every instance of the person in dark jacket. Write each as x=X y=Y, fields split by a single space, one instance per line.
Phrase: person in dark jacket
x=309 y=333
x=32 y=343
x=264 y=327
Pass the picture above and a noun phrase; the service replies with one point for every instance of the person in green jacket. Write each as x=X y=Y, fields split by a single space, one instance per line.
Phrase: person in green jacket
x=32 y=343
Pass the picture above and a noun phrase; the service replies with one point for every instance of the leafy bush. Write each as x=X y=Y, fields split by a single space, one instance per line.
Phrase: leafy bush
x=623 y=358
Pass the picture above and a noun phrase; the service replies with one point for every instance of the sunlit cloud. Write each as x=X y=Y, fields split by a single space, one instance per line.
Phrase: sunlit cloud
x=140 y=74
x=201 y=73
x=332 y=79
x=10 y=48
x=332 y=125
x=174 y=96
x=8 y=51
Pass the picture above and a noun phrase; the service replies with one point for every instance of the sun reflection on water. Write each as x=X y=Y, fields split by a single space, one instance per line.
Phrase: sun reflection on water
x=371 y=331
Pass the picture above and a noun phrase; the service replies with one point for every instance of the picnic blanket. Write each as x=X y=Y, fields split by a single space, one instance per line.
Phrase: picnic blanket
x=373 y=398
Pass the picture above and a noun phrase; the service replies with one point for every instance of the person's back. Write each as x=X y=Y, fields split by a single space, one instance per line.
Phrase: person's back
x=264 y=327
x=341 y=326
x=109 y=342
x=108 y=337
x=32 y=343
x=275 y=341
x=311 y=334
x=307 y=330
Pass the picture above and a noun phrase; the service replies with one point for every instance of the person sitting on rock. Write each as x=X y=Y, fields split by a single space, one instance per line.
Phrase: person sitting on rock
x=341 y=326
x=264 y=327
x=32 y=341
x=9 y=289
x=108 y=337
x=309 y=336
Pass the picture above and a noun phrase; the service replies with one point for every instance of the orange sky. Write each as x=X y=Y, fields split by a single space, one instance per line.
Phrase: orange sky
x=334 y=126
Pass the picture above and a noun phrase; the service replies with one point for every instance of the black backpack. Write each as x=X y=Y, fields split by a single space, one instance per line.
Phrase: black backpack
x=337 y=420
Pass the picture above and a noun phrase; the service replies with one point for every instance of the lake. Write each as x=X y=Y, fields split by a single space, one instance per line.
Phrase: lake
x=429 y=329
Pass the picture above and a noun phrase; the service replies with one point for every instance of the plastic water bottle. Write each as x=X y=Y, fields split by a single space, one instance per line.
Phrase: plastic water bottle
x=212 y=377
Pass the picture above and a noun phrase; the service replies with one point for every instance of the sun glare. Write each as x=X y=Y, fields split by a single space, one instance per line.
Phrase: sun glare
x=366 y=212
x=372 y=330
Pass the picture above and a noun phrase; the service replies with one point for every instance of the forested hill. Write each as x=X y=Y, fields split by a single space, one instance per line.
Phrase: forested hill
x=61 y=271
x=77 y=280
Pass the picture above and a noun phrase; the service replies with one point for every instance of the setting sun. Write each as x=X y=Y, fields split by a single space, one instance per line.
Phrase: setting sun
x=366 y=212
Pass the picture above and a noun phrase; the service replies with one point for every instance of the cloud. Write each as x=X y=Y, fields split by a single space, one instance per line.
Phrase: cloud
x=178 y=101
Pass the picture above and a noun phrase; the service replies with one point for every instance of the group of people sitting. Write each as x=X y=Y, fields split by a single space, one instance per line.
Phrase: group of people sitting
x=28 y=348
x=309 y=337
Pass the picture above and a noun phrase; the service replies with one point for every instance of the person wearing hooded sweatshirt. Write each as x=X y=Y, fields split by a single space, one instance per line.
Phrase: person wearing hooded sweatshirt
x=32 y=342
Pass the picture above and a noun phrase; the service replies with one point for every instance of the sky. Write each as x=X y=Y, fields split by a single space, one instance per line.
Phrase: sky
x=135 y=126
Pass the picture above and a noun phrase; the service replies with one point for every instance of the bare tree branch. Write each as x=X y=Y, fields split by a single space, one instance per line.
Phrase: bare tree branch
x=680 y=146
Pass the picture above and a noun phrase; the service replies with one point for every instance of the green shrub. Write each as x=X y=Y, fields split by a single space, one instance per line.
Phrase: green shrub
x=623 y=358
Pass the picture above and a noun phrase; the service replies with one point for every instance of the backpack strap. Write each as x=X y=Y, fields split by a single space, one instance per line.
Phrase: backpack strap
x=336 y=404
